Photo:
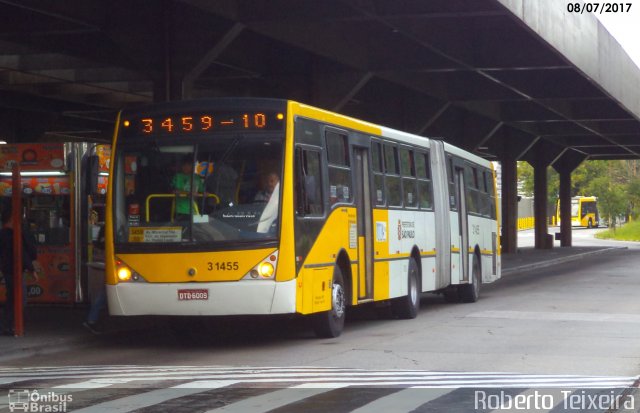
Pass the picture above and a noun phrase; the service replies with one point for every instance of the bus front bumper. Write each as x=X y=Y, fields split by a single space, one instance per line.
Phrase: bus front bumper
x=250 y=297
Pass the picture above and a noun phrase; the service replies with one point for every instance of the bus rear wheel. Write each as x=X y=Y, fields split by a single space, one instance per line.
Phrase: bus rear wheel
x=469 y=293
x=407 y=307
x=329 y=324
x=590 y=223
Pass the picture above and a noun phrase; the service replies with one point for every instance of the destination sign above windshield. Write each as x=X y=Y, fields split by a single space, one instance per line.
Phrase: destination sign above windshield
x=202 y=122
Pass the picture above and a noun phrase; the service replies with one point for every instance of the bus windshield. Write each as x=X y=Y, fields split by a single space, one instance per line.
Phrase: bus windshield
x=199 y=192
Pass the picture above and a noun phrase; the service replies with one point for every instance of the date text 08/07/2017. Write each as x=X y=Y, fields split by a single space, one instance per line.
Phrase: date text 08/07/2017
x=598 y=8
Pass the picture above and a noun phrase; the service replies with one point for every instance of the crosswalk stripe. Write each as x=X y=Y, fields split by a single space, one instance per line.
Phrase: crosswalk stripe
x=91 y=384
x=99 y=376
x=151 y=398
x=403 y=401
x=273 y=400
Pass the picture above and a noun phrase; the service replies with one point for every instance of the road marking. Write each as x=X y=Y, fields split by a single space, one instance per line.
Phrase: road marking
x=151 y=398
x=403 y=401
x=284 y=377
x=274 y=400
x=555 y=316
x=91 y=384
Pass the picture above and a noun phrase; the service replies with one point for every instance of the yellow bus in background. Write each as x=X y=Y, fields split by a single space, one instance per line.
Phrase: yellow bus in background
x=355 y=213
x=584 y=212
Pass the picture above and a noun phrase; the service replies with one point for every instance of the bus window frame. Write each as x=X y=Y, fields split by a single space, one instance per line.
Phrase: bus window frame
x=332 y=129
x=394 y=147
x=380 y=173
x=411 y=177
x=323 y=172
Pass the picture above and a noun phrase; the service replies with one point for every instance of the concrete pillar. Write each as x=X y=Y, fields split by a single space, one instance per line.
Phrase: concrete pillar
x=540 y=200
x=565 y=165
x=509 y=207
x=565 y=207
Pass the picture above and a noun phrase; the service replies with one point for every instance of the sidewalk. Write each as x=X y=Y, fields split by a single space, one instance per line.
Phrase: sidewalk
x=529 y=258
x=50 y=329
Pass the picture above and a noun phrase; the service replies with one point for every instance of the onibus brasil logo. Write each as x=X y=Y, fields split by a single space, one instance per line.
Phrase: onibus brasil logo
x=34 y=401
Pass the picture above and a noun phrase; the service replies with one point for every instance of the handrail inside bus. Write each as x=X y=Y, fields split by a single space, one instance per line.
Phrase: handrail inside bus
x=173 y=204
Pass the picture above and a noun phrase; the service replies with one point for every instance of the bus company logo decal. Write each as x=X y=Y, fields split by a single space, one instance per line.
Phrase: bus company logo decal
x=406 y=229
x=35 y=401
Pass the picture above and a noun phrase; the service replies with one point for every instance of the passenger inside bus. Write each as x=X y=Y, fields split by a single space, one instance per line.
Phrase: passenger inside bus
x=269 y=182
x=181 y=185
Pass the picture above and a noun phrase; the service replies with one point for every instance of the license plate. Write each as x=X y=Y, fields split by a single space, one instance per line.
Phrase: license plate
x=187 y=295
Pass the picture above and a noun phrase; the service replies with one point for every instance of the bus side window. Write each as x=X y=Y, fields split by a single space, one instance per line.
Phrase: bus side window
x=309 y=183
x=425 y=191
x=453 y=194
x=408 y=171
x=394 y=186
x=339 y=167
x=378 y=177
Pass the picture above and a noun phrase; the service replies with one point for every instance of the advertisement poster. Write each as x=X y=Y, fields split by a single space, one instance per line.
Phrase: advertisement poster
x=104 y=156
x=56 y=283
x=32 y=156
x=49 y=185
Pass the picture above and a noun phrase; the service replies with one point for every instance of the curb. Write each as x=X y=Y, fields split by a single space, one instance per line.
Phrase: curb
x=559 y=260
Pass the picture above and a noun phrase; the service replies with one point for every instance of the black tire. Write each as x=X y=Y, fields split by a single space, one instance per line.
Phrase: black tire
x=329 y=324
x=407 y=307
x=590 y=223
x=469 y=293
x=450 y=295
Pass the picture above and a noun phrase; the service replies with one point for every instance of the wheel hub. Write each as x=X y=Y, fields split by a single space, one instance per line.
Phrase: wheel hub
x=338 y=303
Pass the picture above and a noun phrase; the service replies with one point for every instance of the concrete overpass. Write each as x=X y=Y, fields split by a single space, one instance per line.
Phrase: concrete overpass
x=508 y=79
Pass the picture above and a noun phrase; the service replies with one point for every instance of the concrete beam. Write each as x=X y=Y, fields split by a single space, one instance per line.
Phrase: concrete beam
x=209 y=58
x=594 y=51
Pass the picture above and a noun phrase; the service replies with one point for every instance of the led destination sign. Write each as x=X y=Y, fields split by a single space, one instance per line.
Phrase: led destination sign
x=191 y=123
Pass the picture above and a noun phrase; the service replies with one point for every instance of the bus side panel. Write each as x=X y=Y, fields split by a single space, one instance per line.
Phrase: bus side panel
x=402 y=237
x=481 y=233
x=315 y=294
x=314 y=278
x=427 y=245
x=456 y=241
x=381 y=254
x=441 y=219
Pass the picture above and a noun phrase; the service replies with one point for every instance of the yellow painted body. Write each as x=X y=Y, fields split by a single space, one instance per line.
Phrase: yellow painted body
x=314 y=277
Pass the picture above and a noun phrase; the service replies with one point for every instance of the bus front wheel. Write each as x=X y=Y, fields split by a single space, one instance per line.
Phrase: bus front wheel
x=329 y=324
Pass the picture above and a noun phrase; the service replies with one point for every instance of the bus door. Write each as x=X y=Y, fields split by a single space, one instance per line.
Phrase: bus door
x=364 y=225
x=463 y=224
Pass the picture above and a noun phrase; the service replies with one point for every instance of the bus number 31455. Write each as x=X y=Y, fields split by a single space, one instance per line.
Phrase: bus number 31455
x=223 y=266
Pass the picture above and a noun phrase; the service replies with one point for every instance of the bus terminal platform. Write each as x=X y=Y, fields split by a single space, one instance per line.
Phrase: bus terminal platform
x=51 y=329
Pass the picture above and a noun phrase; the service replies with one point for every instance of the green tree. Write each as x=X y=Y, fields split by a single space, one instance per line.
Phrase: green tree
x=633 y=193
x=612 y=201
x=526 y=181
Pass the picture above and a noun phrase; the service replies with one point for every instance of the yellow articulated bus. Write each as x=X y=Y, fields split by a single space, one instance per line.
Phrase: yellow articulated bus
x=261 y=206
x=584 y=212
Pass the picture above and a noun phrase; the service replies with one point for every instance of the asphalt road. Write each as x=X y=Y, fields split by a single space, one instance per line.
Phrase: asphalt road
x=576 y=318
x=573 y=323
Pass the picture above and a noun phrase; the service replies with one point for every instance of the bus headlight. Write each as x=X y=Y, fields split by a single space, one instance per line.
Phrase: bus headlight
x=124 y=274
x=265 y=269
